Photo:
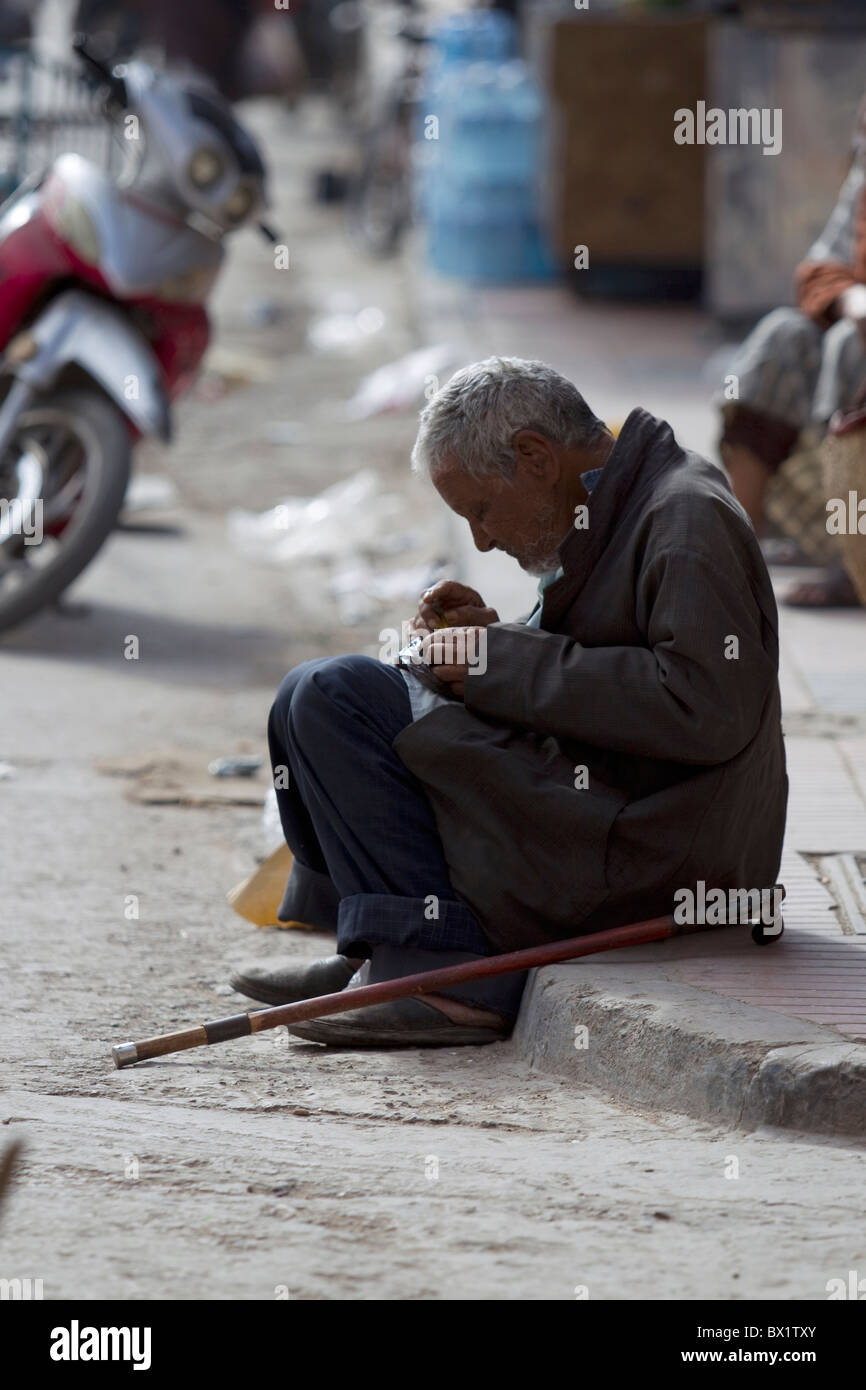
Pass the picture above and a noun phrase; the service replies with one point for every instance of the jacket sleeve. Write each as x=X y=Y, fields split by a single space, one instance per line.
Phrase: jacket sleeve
x=834 y=263
x=694 y=693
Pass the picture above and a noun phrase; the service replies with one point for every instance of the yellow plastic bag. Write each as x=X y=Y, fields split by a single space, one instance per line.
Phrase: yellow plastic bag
x=258 y=897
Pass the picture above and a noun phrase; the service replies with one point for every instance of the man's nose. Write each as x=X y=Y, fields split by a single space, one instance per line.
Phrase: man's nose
x=480 y=537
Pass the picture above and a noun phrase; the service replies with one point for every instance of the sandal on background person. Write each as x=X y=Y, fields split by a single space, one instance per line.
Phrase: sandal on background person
x=832 y=590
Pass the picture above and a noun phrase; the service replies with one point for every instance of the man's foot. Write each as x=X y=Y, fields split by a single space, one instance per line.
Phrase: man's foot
x=458 y=1012
x=834 y=590
x=292 y=980
x=401 y=1023
x=454 y=1009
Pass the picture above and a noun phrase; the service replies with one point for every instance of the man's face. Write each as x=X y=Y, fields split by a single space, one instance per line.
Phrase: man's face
x=523 y=517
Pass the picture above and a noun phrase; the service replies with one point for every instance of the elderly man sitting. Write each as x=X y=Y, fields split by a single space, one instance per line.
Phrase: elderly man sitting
x=574 y=770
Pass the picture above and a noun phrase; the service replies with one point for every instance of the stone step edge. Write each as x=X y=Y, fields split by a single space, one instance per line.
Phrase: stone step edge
x=651 y=1041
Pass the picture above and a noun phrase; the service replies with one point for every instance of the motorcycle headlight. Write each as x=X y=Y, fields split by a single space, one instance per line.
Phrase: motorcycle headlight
x=238 y=206
x=206 y=167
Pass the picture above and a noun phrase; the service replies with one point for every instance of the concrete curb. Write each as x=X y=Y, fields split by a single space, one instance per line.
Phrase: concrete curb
x=654 y=1041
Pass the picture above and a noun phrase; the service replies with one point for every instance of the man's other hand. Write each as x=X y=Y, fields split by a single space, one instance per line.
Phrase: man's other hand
x=453 y=652
x=454 y=605
x=852 y=303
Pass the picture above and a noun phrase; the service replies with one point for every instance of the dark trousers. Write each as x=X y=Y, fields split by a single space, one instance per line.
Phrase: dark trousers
x=368 y=858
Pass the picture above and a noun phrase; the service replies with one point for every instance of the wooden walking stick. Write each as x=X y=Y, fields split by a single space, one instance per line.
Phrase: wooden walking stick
x=241 y=1025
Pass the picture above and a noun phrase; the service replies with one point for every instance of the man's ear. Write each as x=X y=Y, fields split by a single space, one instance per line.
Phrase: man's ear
x=537 y=454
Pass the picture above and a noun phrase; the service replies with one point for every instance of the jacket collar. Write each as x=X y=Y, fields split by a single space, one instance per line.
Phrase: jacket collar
x=643 y=449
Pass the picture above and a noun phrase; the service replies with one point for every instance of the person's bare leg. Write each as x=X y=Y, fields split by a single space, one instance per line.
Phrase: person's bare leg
x=750 y=478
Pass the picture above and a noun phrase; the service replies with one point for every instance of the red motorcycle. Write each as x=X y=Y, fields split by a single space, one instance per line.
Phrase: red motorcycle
x=103 y=284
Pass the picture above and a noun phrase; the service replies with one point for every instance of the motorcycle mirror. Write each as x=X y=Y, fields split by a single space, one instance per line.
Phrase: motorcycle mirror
x=113 y=80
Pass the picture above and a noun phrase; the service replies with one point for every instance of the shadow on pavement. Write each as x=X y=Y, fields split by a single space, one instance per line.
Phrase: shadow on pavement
x=172 y=649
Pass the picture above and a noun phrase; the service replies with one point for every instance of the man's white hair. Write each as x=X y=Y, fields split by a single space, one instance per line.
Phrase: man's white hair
x=473 y=419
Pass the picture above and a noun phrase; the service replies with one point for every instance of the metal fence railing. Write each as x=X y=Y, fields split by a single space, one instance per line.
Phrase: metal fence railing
x=47 y=109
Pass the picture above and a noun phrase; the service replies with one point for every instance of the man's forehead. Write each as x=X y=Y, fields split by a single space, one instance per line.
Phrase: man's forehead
x=458 y=489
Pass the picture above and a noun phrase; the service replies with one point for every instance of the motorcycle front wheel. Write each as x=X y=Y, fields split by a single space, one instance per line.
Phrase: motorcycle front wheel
x=62 y=483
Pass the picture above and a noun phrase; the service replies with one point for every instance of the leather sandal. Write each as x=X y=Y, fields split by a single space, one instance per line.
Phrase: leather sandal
x=399 y=1023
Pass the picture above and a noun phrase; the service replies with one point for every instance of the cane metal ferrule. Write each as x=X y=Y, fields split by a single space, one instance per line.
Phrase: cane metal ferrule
x=125 y=1055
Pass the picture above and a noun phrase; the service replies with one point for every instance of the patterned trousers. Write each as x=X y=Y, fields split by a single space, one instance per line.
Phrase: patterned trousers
x=791 y=374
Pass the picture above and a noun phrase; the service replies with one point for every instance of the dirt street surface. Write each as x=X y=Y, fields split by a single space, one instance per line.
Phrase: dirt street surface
x=269 y=1168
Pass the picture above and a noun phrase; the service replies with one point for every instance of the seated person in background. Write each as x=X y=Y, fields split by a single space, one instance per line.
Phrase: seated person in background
x=800 y=365
x=622 y=743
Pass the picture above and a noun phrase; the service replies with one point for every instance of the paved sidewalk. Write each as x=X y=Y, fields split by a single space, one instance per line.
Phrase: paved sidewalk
x=818 y=970
x=694 y=1055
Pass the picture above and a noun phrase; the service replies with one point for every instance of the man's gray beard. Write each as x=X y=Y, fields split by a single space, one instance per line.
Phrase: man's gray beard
x=544 y=559
x=540 y=569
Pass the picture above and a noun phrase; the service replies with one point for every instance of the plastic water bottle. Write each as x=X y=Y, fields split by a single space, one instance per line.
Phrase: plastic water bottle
x=479 y=189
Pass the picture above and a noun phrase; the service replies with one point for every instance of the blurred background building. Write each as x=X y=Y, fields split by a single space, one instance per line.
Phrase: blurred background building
x=498 y=178
x=513 y=134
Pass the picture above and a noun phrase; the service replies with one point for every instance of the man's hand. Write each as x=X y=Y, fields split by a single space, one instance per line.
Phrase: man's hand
x=452 y=653
x=852 y=304
x=451 y=604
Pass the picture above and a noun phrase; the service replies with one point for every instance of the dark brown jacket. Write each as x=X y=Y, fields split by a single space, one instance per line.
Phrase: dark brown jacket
x=627 y=676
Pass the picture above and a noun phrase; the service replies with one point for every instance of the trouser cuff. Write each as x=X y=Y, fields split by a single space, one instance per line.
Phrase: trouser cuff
x=432 y=924
x=310 y=897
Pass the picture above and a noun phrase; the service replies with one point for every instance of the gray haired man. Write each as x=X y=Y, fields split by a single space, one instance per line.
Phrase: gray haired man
x=620 y=744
